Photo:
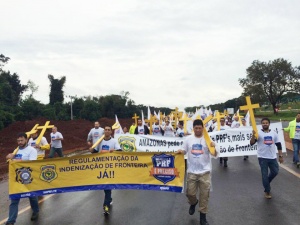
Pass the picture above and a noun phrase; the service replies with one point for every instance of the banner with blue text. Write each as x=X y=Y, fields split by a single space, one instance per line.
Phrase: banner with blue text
x=117 y=170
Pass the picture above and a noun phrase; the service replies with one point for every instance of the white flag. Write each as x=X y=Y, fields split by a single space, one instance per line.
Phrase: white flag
x=149 y=113
x=117 y=127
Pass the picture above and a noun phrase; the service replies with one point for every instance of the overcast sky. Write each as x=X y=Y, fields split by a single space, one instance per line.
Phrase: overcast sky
x=165 y=53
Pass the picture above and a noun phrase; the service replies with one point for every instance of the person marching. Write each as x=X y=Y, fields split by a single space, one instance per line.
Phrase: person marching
x=156 y=129
x=223 y=126
x=108 y=144
x=94 y=134
x=56 y=146
x=141 y=129
x=198 y=170
x=180 y=130
x=235 y=123
x=41 y=147
x=244 y=124
x=294 y=129
x=267 y=142
x=24 y=153
x=168 y=129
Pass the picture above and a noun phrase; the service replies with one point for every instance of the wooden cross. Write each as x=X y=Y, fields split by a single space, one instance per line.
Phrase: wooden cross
x=185 y=119
x=151 y=121
x=225 y=112
x=43 y=128
x=250 y=107
x=218 y=118
x=206 y=136
x=135 y=117
x=177 y=115
x=33 y=131
x=97 y=142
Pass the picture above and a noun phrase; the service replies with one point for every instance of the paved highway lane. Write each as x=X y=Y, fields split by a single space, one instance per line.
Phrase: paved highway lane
x=237 y=198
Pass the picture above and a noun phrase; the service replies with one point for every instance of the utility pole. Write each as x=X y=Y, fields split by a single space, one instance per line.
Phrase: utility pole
x=71 y=97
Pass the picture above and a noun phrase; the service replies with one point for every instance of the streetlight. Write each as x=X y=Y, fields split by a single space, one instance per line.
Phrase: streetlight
x=71 y=97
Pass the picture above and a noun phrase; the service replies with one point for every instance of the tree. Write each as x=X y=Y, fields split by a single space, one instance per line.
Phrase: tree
x=270 y=80
x=56 y=89
x=32 y=87
x=11 y=89
x=3 y=60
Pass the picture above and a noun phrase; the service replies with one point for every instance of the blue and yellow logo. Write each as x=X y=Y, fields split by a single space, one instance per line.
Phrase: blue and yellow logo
x=127 y=143
x=23 y=175
x=164 y=168
x=48 y=173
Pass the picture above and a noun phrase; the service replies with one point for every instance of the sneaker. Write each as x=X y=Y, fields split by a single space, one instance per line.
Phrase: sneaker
x=34 y=216
x=192 y=208
x=106 y=210
x=268 y=195
x=111 y=203
x=298 y=164
x=245 y=157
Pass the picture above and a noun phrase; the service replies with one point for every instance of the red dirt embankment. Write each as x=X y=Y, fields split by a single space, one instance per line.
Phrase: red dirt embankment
x=74 y=132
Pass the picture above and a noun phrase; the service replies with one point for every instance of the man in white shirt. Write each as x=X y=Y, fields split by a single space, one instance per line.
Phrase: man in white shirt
x=141 y=129
x=156 y=129
x=23 y=153
x=235 y=123
x=198 y=171
x=56 y=145
x=94 y=134
x=108 y=144
x=168 y=129
x=267 y=142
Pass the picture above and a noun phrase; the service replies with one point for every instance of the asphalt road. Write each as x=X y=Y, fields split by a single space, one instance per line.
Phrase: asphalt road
x=237 y=198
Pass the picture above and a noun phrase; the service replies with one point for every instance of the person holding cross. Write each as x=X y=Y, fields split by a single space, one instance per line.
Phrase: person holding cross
x=198 y=170
x=40 y=147
x=267 y=141
x=25 y=152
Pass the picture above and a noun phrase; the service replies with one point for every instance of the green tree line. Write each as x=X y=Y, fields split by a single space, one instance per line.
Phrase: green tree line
x=266 y=82
x=16 y=107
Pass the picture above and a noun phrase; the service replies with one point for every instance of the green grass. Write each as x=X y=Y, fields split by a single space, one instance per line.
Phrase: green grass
x=282 y=115
x=287 y=111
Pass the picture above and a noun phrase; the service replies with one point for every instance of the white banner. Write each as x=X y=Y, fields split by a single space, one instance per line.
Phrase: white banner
x=236 y=142
x=149 y=143
x=230 y=142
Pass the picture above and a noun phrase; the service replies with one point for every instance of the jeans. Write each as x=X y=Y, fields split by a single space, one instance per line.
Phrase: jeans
x=107 y=198
x=57 y=150
x=14 y=207
x=296 y=147
x=267 y=177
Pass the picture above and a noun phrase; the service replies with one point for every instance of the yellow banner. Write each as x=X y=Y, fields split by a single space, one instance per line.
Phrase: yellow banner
x=117 y=170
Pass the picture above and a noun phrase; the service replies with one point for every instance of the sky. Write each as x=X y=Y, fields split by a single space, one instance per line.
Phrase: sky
x=165 y=53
